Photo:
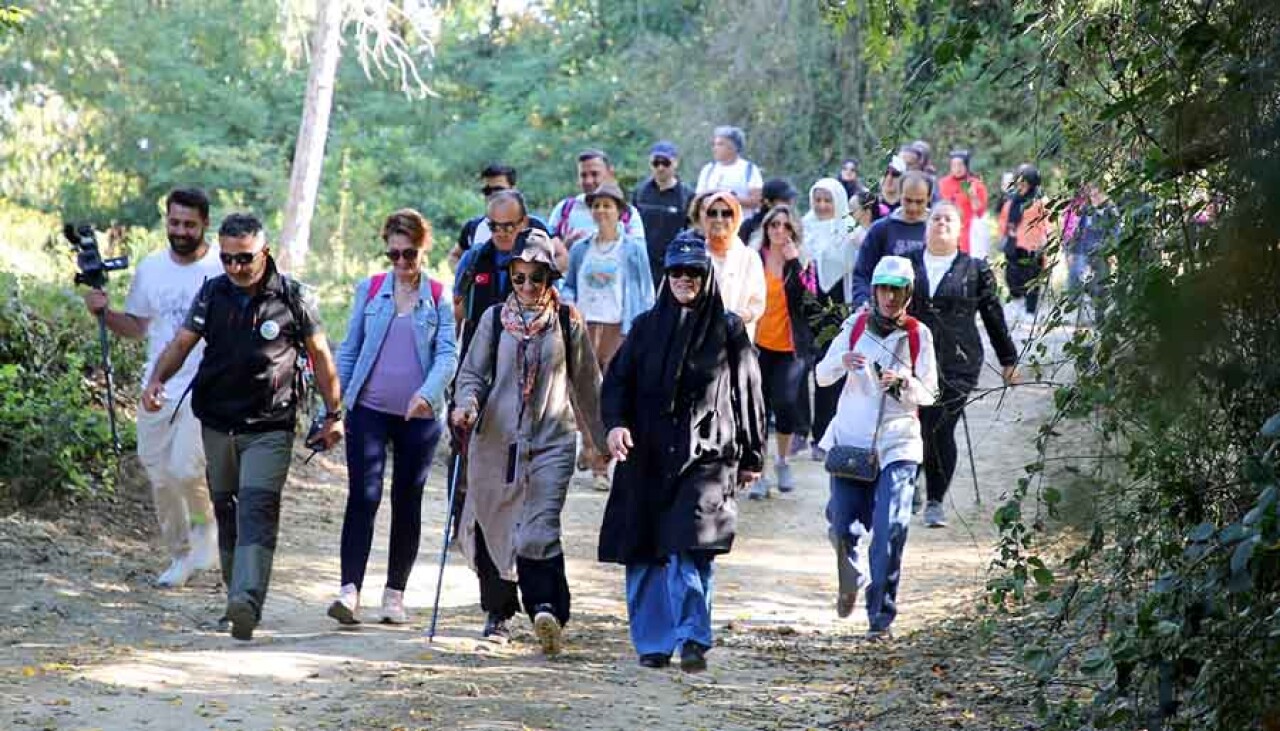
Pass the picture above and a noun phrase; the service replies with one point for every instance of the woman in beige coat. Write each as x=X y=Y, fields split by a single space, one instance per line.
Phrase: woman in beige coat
x=529 y=369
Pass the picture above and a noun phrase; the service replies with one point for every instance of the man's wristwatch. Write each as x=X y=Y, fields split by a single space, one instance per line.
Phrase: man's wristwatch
x=335 y=415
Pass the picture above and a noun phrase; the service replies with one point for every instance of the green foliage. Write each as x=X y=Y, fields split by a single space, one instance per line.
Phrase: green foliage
x=54 y=435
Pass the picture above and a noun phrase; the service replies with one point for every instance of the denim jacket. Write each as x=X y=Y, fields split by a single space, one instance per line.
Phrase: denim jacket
x=432 y=333
x=637 y=279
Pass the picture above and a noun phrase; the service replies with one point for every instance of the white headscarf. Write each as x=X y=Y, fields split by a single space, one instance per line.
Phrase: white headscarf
x=828 y=242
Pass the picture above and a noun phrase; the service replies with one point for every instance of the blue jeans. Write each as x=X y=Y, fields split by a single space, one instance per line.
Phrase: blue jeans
x=670 y=605
x=871 y=525
x=413 y=444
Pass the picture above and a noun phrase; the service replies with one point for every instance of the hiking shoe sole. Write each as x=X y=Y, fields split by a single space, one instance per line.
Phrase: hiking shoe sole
x=243 y=620
x=548 y=630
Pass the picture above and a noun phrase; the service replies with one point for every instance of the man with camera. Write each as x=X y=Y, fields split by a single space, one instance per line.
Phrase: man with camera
x=256 y=323
x=169 y=439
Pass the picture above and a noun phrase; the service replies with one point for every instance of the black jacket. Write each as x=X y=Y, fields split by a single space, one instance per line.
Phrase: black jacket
x=968 y=288
x=803 y=311
x=247 y=378
x=675 y=491
x=665 y=214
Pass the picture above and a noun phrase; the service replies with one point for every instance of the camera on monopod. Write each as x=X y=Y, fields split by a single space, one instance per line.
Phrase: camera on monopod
x=92 y=271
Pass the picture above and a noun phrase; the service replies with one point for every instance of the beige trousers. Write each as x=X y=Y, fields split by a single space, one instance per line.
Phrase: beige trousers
x=173 y=456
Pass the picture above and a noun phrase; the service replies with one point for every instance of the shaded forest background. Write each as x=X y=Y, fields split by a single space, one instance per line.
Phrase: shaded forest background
x=1163 y=612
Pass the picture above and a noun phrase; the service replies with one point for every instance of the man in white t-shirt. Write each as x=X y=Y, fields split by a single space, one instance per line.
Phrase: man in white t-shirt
x=570 y=221
x=169 y=441
x=732 y=172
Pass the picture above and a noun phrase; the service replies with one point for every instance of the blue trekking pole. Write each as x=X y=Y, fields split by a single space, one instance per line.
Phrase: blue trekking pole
x=444 y=547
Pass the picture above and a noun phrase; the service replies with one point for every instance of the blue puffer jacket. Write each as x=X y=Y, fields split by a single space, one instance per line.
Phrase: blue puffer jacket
x=433 y=334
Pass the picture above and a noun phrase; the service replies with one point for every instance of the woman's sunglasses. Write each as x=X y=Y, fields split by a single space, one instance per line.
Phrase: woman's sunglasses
x=243 y=259
x=537 y=279
x=719 y=213
x=406 y=254
x=680 y=272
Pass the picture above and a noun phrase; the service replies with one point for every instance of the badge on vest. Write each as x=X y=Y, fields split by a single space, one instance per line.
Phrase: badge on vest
x=482 y=278
x=269 y=330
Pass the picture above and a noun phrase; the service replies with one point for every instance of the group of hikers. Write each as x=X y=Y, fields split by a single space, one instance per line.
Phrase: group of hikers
x=654 y=339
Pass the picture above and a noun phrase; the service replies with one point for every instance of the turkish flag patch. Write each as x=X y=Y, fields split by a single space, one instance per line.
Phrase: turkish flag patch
x=482 y=278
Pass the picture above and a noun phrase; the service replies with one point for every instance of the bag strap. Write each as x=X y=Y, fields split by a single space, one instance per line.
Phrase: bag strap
x=375 y=286
x=493 y=344
x=565 y=209
x=565 y=317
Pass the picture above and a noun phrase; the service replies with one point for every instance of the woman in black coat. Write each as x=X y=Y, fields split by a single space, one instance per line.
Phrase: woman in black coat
x=951 y=287
x=685 y=418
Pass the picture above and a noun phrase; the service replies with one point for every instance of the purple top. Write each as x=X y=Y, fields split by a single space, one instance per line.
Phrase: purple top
x=397 y=375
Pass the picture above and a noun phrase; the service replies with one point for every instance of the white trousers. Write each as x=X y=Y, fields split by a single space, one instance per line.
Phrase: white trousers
x=172 y=452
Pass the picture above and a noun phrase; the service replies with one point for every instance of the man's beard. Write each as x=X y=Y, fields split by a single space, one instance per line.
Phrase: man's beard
x=184 y=246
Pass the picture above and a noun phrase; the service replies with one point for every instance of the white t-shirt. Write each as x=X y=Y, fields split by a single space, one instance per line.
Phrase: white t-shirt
x=935 y=268
x=739 y=177
x=600 y=283
x=162 y=291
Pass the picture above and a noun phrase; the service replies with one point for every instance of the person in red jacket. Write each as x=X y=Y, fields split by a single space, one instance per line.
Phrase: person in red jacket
x=966 y=192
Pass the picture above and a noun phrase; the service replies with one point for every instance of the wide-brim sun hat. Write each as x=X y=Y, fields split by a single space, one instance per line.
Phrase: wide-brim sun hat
x=608 y=190
x=893 y=271
x=535 y=247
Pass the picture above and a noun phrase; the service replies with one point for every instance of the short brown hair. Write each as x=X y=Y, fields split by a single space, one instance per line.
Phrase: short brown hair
x=409 y=223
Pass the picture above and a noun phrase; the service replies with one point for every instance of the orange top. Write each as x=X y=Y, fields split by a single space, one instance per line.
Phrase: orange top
x=774 y=330
x=1033 y=229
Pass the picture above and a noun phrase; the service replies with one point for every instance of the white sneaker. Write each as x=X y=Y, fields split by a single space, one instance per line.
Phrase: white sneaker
x=344 y=608
x=204 y=547
x=393 y=611
x=177 y=574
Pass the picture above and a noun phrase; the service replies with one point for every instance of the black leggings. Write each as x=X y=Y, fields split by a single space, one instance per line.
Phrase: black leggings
x=782 y=378
x=541 y=582
x=938 y=425
x=825 y=400
x=1022 y=267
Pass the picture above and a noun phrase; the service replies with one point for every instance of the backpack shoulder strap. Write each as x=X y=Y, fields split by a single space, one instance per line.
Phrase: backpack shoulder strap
x=291 y=288
x=566 y=315
x=565 y=209
x=493 y=342
x=751 y=168
x=375 y=286
x=437 y=289
x=912 y=326
x=859 y=327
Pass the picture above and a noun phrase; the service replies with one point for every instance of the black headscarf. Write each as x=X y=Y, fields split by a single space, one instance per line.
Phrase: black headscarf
x=695 y=345
x=1018 y=201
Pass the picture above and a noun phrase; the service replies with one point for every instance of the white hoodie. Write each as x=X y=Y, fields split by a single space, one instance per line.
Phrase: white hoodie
x=829 y=244
x=855 y=421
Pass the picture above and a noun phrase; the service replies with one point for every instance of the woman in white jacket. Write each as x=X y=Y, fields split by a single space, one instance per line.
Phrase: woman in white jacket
x=889 y=367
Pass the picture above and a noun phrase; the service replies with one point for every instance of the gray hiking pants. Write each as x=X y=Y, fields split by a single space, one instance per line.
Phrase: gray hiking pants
x=246 y=479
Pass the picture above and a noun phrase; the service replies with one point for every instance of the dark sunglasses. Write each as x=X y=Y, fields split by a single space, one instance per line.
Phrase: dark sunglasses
x=660 y=162
x=719 y=213
x=683 y=272
x=775 y=223
x=537 y=279
x=243 y=259
x=893 y=173
x=502 y=225
x=407 y=254
x=489 y=190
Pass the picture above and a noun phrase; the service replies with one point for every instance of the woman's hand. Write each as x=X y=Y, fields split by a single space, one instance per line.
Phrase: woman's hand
x=463 y=417
x=619 y=441
x=790 y=251
x=853 y=361
x=419 y=409
x=1009 y=374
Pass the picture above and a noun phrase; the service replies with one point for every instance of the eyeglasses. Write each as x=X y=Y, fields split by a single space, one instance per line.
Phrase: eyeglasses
x=719 y=213
x=243 y=258
x=507 y=226
x=407 y=254
x=778 y=223
x=537 y=279
x=660 y=162
x=893 y=173
x=684 y=272
x=489 y=190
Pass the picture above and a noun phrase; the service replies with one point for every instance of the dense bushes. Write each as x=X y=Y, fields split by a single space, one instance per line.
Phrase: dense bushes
x=54 y=436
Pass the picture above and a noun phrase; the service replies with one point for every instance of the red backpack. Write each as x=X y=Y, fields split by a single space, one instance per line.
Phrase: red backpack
x=375 y=286
x=910 y=324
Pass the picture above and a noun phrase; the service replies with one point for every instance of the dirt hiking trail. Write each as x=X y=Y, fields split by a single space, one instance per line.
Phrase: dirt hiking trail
x=88 y=643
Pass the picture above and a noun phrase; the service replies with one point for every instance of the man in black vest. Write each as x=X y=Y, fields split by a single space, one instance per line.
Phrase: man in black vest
x=254 y=322
x=663 y=202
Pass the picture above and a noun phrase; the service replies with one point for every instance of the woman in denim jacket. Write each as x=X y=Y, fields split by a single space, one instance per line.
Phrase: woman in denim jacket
x=394 y=366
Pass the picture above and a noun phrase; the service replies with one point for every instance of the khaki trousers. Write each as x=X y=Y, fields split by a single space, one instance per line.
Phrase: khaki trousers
x=172 y=453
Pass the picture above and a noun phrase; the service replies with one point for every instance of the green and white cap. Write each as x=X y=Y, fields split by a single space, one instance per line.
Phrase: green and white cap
x=894 y=271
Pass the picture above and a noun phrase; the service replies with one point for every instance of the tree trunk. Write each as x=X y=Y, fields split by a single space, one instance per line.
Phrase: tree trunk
x=308 y=156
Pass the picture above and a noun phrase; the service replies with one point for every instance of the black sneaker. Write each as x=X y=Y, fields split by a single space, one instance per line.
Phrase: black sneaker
x=496 y=630
x=243 y=620
x=654 y=660
x=693 y=657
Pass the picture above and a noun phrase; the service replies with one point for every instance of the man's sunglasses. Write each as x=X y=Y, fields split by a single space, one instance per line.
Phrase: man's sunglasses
x=406 y=254
x=683 y=272
x=508 y=226
x=489 y=190
x=243 y=259
x=537 y=279
x=660 y=162
x=719 y=213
